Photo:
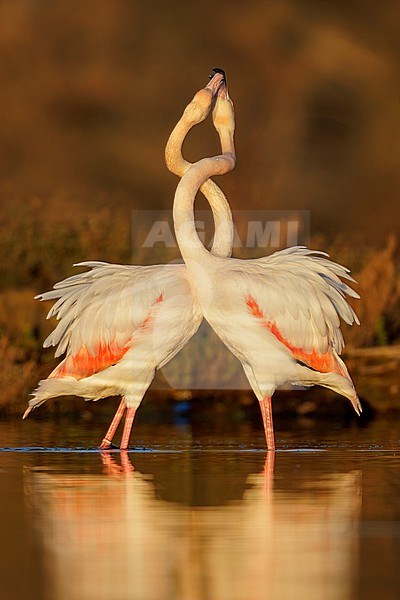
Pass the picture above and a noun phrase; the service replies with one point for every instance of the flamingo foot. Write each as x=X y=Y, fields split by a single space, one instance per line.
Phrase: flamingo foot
x=266 y=411
x=106 y=443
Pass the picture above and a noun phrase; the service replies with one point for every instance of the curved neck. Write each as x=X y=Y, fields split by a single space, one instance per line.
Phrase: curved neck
x=223 y=222
x=191 y=247
x=173 y=150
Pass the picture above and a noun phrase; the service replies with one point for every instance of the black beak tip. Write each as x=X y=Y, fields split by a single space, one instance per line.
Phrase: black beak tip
x=220 y=71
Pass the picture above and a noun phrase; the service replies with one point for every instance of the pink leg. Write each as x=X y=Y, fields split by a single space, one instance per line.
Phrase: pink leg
x=266 y=411
x=130 y=415
x=269 y=465
x=126 y=465
x=114 y=470
x=106 y=443
x=268 y=474
x=110 y=466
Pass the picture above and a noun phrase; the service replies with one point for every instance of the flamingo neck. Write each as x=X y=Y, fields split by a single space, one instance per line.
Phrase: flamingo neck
x=191 y=247
x=223 y=222
x=173 y=150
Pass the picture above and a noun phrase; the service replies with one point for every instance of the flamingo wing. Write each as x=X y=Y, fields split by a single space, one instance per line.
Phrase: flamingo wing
x=299 y=296
x=102 y=310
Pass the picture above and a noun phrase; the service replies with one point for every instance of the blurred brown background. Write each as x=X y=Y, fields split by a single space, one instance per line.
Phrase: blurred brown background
x=90 y=91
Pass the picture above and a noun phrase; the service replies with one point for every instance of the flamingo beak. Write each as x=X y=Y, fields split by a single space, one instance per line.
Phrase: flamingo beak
x=217 y=81
x=222 y=89
x=220 y=71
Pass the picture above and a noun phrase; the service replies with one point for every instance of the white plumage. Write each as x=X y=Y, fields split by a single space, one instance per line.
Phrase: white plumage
x=279 y=315
x=301 y=292
x=143 y=314
x=119 y=323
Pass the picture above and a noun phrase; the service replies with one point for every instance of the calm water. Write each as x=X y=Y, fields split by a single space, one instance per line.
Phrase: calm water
x=194 y=517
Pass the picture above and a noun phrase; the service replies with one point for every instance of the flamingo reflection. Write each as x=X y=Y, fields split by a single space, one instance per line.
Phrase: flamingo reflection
x=213 y=527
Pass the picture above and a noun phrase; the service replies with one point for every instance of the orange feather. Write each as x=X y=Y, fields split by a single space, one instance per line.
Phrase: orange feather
x=86 y=363
x=324 y=363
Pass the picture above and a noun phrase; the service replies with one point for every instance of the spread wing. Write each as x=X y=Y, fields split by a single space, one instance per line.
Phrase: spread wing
x=100 y=311
x=301 y=297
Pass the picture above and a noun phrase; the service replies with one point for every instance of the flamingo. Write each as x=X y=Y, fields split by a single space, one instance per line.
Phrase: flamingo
x=280 y=314
x=119 y=323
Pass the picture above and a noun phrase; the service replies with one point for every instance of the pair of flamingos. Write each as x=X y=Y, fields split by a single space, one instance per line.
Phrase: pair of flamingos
x=279 y=315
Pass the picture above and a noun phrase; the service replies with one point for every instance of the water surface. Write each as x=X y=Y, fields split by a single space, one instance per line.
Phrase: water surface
x=184 y=515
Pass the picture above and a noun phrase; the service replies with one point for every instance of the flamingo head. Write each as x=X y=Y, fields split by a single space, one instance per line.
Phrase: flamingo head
x=199 y=108
x=223 y=111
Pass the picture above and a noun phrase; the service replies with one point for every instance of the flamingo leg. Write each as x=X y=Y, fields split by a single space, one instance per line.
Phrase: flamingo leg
x=266 y=411
x=114 y=470
x=106 y=443
x=126 y=465
x=268 y=475
x=130 y=415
